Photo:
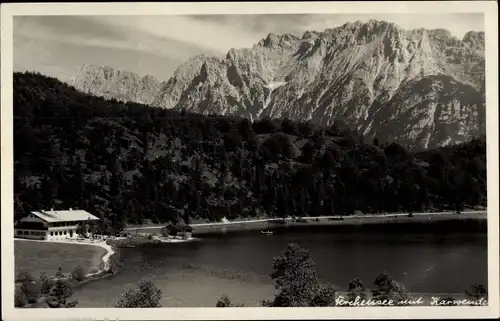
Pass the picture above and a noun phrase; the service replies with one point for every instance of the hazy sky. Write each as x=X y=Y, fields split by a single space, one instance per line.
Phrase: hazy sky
x=156 y=45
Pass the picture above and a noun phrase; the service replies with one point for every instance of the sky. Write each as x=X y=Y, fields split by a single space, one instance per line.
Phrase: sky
x=156 y=45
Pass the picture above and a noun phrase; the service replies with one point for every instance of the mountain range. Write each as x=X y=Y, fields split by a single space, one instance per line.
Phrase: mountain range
x=421 y=88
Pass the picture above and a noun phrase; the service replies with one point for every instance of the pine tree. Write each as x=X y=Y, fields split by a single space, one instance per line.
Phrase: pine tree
x=61 y=293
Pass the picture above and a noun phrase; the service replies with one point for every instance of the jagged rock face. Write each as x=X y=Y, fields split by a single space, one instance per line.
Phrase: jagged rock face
x=114 y=83
x=423 y=88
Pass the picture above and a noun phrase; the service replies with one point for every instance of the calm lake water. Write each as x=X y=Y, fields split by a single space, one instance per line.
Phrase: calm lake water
x=425 y=259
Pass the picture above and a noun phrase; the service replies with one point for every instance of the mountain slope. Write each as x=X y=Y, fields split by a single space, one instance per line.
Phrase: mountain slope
x=128 y=162
x=424 y=88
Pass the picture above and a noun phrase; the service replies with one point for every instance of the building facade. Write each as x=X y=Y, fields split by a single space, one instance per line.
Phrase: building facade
x=54 y=225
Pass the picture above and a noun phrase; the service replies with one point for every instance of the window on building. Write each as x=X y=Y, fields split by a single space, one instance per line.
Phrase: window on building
x=51 y=233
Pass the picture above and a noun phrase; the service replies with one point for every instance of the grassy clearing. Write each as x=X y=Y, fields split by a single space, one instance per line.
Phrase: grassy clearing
x=38 y=257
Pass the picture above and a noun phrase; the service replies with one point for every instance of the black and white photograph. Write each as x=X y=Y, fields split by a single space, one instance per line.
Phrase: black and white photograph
x=341 y=158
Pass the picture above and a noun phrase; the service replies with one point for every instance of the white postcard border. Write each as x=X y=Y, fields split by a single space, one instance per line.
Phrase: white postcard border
x=490 y=10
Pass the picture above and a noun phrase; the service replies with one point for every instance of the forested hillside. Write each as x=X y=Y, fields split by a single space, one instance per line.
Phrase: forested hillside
x=127 y=162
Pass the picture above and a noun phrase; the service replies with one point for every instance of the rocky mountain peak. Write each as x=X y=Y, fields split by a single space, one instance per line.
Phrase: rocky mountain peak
x=440 y=33
x=273 y=41
x=115 y=83
x=474 y=39
x=423 y=88
x=310 y=34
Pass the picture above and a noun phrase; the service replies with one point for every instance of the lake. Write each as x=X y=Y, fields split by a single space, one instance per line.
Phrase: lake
x=426 y=258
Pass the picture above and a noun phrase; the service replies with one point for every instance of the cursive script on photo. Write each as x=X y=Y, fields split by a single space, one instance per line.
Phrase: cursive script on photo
x=359 y=302
x=436 y=301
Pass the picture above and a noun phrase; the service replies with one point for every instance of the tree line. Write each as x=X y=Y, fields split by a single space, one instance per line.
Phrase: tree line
x=130 y=163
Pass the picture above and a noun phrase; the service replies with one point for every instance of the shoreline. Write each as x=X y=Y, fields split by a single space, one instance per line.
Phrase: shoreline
x=352 y=220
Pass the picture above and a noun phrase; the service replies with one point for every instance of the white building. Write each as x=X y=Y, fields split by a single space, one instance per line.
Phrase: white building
x=53 y=225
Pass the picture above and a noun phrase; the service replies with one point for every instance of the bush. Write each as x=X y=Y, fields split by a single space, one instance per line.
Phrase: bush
x=24 y=276
x=30 y=291
x=28 y=286
x=224 y=301
x=145 y=295
x=388 y=289
x=78 y=274
x=296 y=281
x=19 y=299
x=61 y=291
x=59 y=273
x=357 y=289
x=46 y=284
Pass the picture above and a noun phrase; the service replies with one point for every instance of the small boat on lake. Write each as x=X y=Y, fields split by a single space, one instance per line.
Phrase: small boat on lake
x=267 y=232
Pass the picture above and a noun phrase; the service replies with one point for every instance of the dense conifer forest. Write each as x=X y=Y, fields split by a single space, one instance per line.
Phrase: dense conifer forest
x=128 y=163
